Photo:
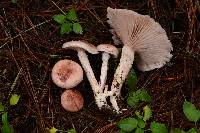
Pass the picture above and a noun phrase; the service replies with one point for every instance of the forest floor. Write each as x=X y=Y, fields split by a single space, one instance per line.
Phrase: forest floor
x=30 y=45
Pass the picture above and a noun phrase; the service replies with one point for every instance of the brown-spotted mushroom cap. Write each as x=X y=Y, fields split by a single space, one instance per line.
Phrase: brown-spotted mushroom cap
x=67 y=74
x=139 y=34
x=72 y=100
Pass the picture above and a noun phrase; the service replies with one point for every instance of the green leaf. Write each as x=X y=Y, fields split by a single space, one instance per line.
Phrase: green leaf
x=191 y=112
x=139 y=130
x=144 y=96
x=131 y=80
x=137 y=113
x=53 y=130
x=158 y=128
x=127 y=124
x=4 y=118
x=59 y=18
x=147 y=113
x=77 y=28
x=120 y=131
x=133 y=100
x=1 y=107
x=7 y=128
x=140 y=95
x=66 y=28
x=141 y=123
x=72 y=16
x=71 y=131
x=14 y=99
x=177 y=130
x=192 y=130
x=14 y=1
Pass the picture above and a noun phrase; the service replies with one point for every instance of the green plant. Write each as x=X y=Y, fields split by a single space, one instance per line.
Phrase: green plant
x=158 y=127
x=131 y=80
x=136 y=123
x=14 y=99
x=7 y=128
x=68 y=22
x=135 y=97
x=54 y=130
x=191 y=112
x=128 y=124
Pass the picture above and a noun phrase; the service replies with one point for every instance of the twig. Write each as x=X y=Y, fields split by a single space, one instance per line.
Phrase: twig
x=11 y=38
x=58 y=7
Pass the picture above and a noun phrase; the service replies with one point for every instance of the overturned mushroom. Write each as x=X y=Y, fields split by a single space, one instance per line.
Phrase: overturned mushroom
x=107 y=50
x=67 y=74
x=72 y=100
x=139 y=34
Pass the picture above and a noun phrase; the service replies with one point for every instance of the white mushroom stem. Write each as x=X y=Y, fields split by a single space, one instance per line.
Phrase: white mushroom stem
x=88 y=70
x=126 y=61
x=104 y=69
x=99 y=97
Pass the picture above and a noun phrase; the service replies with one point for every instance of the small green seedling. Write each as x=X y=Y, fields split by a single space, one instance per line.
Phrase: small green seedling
x=128 y=124
x=137 y=123
x=1 y=107
x=158 y=127
x=134 y=98
x=7 y=128
x=147 y=113
x=68 y=22
x=14 y=99
x=131 y=80
x=54 y=130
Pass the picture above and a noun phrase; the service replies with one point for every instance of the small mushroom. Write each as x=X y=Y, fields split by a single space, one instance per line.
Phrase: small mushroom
x=139 y=34
x=107 y=50
x=72 y=100
x=67 y=74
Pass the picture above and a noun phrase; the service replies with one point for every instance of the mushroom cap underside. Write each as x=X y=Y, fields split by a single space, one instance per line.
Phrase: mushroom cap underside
x=143 y=35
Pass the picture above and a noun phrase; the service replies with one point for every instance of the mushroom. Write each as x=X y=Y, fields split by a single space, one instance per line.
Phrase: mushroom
x=67 y=74
x=107 y=50
x=139 y=34
x=81 y=47
x=72 y=100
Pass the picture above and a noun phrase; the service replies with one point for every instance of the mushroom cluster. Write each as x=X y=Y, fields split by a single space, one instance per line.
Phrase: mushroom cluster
x=138 y=34
x=68 y=74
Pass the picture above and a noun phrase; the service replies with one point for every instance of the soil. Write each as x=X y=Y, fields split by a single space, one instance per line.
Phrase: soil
x=30 y=45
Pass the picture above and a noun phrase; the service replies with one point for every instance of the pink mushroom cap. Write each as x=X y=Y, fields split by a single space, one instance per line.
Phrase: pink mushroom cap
x=72 y=100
